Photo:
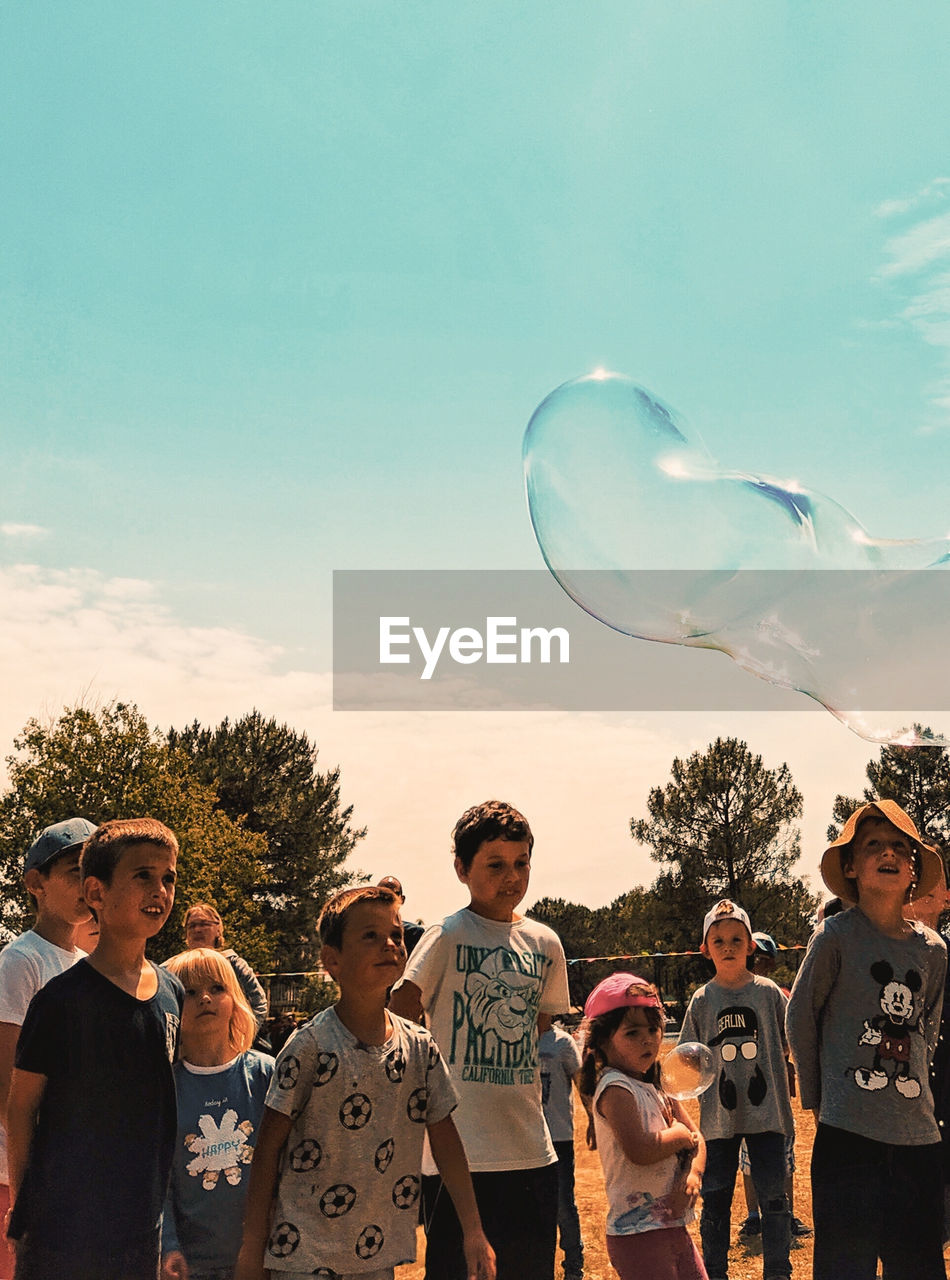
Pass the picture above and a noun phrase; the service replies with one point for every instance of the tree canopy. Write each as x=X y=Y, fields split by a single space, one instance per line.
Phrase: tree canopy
x=107 y=763
x=265 y=777
x=918 y=778
x=724 y=822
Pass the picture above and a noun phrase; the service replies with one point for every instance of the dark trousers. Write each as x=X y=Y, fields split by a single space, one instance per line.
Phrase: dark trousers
x=568 y=1220
x=518 y=1208
x=872 y=1200
x=36 y=1261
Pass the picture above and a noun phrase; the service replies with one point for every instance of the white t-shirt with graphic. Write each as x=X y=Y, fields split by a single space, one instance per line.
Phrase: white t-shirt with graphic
x=483 y=984
x=26 y=964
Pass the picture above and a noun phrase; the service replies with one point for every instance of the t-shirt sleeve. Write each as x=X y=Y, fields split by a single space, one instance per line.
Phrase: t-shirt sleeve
x=41 y=1045
x=810 y=991
x=426 y=964
x=936 y=977
x=19 y=980
x=555 y=997
x=689 y=1032
x=292 y=1082
x=570 y=1056
x=442 y=1098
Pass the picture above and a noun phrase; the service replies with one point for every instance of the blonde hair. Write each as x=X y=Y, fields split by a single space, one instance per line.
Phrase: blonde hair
x=201 y=964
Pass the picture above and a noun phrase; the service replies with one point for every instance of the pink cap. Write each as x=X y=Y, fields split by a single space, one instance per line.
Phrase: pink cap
x=621 y=991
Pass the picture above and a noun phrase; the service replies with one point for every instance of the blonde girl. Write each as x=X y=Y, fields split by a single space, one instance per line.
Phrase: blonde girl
x=221 y=1084
x=652 y=1155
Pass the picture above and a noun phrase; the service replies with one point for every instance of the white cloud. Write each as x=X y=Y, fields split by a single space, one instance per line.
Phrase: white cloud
x=895 y=208
x=918 y=260
x=921 y=246
x=12 y=530
x=75 y=635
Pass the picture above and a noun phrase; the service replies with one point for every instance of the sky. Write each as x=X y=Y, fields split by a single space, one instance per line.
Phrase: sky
x=281 y=288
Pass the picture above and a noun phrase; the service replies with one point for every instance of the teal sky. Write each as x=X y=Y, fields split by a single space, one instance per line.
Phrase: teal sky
x=282 y=285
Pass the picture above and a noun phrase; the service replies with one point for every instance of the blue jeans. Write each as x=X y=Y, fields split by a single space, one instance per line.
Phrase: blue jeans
x=568 y=1222
x=767 y=1162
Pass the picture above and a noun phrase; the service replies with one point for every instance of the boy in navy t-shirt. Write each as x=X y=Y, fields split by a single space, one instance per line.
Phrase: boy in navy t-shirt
x=91 y=1115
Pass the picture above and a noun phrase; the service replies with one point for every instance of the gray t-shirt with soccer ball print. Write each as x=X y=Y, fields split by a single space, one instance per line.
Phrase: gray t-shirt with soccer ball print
x=349 y=1181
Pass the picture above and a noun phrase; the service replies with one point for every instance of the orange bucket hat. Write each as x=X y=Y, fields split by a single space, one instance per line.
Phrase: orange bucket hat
x=931 y=864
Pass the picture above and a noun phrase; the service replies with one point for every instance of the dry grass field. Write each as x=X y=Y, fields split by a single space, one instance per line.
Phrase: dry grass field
x=745 y=1258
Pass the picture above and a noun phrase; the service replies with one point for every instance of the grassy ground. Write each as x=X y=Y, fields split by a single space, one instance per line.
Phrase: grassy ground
x=745 y=1259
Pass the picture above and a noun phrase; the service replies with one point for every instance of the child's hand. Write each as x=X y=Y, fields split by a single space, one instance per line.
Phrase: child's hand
x=684 y=1139
x=479 y=1257
x=174 y=1266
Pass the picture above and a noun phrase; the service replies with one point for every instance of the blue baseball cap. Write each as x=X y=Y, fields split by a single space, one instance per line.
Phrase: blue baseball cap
x=765 y=945
x=55 y=840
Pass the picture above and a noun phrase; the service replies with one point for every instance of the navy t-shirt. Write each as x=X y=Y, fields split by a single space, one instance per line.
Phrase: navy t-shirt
x=100 y=1157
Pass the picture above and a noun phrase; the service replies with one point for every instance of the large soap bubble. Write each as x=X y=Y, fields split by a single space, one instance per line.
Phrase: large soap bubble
x=687 y=1070
x=615 y=489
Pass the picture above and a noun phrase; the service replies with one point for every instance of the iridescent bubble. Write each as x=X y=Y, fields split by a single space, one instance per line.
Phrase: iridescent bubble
x=651 y=536
x=687 y=1070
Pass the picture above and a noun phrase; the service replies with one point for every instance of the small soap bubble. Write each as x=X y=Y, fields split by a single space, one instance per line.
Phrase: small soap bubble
x=687 y=1070
x=616 y=488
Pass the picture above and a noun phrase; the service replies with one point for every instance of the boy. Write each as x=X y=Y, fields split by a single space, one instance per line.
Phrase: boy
x=51 y=877
x=741 y=1017
x=91 y=1114
x=336 y=1165
x=863 y=1019
x=484 y=978
x=560 y=1061
x=764 y=962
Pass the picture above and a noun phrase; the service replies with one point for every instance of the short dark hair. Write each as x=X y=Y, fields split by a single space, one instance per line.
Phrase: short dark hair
x=106 y=845
x=493 y=820
x=337 y=910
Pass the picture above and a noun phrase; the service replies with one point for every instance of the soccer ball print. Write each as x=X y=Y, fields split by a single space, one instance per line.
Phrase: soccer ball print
x=288 y=1072
x=396 y=1065
x=325 y=1068
x=306 y=1156
x=355 y=1111
x=337 y=1200
x=406 y=1191
x=283 y=1240
x=370 y=1241
x=418 y=1105
x=384 y=1154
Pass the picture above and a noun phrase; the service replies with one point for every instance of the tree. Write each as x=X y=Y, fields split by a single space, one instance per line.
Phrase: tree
x=265 y=777
x=107 y=763
x=918 y=778
x=724 y=822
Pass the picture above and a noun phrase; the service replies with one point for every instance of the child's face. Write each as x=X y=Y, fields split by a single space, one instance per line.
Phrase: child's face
x=634 y=1046
x=59 y=891
x=206 y=1012
x=373 y=954
x=880 y=859
x=497 y=878
x=727 y=945
x=142 y=893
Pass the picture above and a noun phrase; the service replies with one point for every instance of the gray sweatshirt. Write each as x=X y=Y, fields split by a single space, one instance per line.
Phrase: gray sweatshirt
x=863 y=1020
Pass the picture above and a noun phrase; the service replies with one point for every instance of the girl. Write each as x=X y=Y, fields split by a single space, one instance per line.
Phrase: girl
x=651 y=1155
x=205 y=928
x=221 y=1084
